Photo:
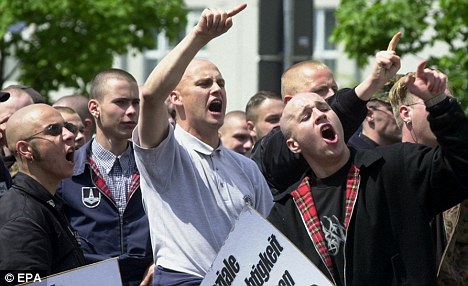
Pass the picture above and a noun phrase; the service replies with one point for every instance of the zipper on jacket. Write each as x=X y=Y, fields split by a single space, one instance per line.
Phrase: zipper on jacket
x=121 y=223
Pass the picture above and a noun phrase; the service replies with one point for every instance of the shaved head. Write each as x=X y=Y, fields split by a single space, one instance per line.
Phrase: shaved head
x=18 y=99
x=26 y=121
x=308 y=76
x=195 y=69
x=289 y=117
x=78 y=103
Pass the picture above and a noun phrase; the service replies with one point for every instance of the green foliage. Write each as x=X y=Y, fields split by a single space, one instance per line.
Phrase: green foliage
x=70 y=41
x=365 y=27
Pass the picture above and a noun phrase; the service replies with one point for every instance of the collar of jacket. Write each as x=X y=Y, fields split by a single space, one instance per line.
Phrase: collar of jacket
x=82 y=155
x=33 y=188
x=361 y=158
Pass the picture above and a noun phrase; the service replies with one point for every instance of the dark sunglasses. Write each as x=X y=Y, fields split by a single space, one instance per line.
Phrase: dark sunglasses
x=55 y=130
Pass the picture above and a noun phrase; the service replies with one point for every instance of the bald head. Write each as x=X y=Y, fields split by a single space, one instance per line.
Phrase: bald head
x=18 y=99
x=197 y=68
x=78 y=103
x=234 y=133
x=35 y=96
x=27 y=121
x=232 y=120
x=297 y=107
x=308 y=76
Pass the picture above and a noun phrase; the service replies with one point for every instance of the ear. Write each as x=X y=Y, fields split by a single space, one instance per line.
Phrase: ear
x=370 y=114
x=293 y=146
x=88 y=124
x=405 y=114
x=287 y=98
x=24 y=150
x=93 y=106
x=176 y=98
x=250 y=126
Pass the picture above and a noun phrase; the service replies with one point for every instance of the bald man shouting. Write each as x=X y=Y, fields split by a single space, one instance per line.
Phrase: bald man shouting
x=34 y=232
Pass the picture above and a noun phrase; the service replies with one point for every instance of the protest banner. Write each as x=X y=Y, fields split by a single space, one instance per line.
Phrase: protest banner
x=256 y=253
x=105 y=272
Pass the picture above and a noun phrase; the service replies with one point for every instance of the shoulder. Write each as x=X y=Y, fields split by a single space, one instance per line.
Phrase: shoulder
x=239 y=159
x=81 y=158
x=17 y=206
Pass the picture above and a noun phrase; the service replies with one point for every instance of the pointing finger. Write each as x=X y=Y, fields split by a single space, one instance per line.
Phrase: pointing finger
x=237 y=9
x=393 y=43
x=420 y=69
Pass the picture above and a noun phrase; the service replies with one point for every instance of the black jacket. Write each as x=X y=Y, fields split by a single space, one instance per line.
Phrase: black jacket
x=402 y=187
x=34 y=233
x=281 y=167
x=5 y=178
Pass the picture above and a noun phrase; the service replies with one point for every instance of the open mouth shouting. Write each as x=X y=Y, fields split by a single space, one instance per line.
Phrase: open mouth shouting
x=70 y=156
x=216 y=106
x=328 y=133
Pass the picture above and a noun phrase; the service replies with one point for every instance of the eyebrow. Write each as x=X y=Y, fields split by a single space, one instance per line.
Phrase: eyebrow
x=317 y=103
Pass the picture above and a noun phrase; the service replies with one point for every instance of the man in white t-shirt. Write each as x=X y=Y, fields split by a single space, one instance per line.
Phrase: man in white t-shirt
x=193 y=187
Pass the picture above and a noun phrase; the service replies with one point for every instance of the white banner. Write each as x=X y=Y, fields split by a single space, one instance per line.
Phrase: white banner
x=97 y=274
x=256 y=253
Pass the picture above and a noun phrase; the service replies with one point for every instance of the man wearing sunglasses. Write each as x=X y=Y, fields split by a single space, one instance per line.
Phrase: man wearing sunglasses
x=104 y=197
x=34 y=232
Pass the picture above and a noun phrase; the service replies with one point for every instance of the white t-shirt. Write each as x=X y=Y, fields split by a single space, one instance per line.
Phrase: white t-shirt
x=193 y=195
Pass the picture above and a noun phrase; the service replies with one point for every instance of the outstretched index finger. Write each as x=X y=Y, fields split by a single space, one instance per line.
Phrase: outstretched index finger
x=420 y=69
x=393 y=43
x=237 y=9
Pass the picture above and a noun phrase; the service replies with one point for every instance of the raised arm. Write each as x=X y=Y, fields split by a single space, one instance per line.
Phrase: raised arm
x=153 y=123
x=387 y=64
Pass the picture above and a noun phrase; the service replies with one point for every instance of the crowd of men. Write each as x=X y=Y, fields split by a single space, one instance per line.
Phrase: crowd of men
x=368 y=182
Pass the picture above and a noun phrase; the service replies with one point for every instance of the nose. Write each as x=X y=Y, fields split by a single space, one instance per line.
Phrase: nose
x=79 y=136
x=67 y=134
x=319 y=115
x=132 y=109
x=215 y=87
x=248 y=144
x=330 y=92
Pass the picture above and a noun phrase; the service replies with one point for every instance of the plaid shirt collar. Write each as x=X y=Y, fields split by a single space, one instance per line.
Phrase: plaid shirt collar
x=304 y=201
x=107 y=159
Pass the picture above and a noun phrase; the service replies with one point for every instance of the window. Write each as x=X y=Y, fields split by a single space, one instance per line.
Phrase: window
x=163 y=45
x=324 y=50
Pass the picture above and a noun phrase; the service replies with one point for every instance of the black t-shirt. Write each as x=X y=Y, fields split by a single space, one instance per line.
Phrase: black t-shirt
x=329 y=197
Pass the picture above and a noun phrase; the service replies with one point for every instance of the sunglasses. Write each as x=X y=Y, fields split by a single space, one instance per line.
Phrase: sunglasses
x=55 y=130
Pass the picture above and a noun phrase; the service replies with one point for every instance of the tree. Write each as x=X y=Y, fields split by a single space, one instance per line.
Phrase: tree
x=66 y=42
x=365 y=26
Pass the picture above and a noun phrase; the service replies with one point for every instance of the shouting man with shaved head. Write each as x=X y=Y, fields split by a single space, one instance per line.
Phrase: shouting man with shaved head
x=34 y=232
x=193 y=187
x=362 y=216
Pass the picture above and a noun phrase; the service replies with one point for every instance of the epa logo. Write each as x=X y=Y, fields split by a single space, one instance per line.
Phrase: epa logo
x=22 y=277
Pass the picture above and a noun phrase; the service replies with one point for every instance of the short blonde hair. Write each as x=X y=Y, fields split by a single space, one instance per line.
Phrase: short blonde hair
x=293 y=81
x=399 y=95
